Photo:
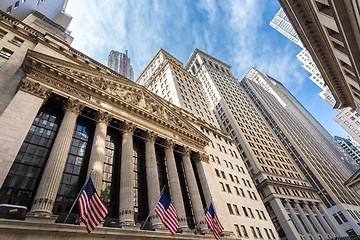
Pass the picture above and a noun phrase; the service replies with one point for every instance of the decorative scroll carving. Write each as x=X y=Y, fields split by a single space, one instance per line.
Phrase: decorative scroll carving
x=201 y=157
x=128 y=127
x=169 y=143
x=73 y=105
x=150 y=136
x=34 y=88
x=103 y=117
x=186 y=151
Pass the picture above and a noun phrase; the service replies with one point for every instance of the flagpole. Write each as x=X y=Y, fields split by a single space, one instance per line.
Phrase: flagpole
x=153 y=207
x=67 y=216
x=204 y=213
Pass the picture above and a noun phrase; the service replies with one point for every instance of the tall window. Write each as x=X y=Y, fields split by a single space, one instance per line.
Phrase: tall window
x=140 y=188
x=75 y=171
x=111 y=173
x=24 y=176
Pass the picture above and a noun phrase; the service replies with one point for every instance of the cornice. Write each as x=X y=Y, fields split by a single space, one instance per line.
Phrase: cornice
x=121 y=94
x=303 y=18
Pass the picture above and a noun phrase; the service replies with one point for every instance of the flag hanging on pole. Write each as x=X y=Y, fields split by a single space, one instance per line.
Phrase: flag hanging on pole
x=213 y=222
x=92 y=209
x=167 y=213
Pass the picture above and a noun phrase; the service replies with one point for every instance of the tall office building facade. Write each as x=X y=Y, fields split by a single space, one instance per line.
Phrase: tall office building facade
x=350 y=146
x=282 y=24
x=292 y=203
x=234 y=195
x=120 y=63
x=321 y=169
x=351 y=127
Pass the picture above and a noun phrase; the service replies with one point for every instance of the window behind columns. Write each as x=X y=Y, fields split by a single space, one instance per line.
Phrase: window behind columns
x=75 y=171
x=24 y=176
x=141 y=203
x=184 y=190
x=111 y=173
x=162 y=170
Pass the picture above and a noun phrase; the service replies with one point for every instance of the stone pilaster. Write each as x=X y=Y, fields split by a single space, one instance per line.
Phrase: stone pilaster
x=331 y=221
x=315 y=221
x=152 y=177
x=97 y=156
x=324 y=223
x=50 y=180
x=194 y=191
x=16 y=121
x=175 y=189
x=296 y=221
x=306 y=221
x=286 y=223
x=127 y=176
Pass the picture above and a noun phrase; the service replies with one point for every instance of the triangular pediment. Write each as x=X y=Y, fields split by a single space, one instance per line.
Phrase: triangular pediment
x=114 y=89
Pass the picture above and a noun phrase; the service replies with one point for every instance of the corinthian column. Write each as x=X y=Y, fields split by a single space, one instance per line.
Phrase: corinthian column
x=50 y=180
x=175 y=189
x=152 y=177
x=127 y=176
x=324 y=223
x=97 y=156
x=193 y=190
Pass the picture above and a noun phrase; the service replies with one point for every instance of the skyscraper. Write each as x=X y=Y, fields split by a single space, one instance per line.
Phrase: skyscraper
x=120 y=62
x=282 y=187
x=239 y=206
x=350 y=146
x=282 y=24
x=323 y=170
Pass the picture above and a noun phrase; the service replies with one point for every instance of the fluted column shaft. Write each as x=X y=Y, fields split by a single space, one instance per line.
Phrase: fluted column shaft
x=97 y=156
x=331 y=222
x=297 y=222
x=286 y=223
x=316 y=222
x=193 y=190
x=50 y=180
x=175 y=189
x=306 y=221
x=127 y=177
x=324 y=223
x=152 y=177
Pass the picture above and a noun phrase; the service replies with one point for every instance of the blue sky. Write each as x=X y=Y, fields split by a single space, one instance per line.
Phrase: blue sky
x=235 y=31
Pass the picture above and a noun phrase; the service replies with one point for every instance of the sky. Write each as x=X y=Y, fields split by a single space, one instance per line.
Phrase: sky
x=236 y=32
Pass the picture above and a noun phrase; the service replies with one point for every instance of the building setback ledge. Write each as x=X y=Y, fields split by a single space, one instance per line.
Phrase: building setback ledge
x=17 y=229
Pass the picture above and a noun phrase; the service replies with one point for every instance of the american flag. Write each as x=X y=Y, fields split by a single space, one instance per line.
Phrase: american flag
x=167 y=213
x=213 y=222
x=92 y=209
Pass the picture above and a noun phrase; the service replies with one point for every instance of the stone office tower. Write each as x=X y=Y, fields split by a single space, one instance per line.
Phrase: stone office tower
x=120 y=62
x=323 y=168
x=293 y=204
x=236 y=200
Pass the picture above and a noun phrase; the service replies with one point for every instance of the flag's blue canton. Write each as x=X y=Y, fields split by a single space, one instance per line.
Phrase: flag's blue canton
x=89 y=189
x=211 y=210
x=164 y=200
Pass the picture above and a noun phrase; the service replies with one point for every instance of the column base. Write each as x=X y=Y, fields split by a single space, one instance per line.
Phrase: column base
x=40 y=218
x=130 y=226
x=228 y=233
x=161 y=228
x=187 y=231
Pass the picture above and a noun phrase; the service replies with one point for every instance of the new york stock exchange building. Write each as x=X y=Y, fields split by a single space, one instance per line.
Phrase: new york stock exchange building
x=64 y=116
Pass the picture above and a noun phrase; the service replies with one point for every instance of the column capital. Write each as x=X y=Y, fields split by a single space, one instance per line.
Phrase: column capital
x=169 y=143
x=128 y=127
x=150 y=136
x=201 y=157
x=186 y=151
x=34 y=88
x=73 y=105
x=103 y=117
